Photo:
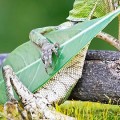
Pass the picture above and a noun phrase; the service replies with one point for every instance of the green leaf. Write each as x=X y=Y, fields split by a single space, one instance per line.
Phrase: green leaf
x=26 y=62
x=83 y=9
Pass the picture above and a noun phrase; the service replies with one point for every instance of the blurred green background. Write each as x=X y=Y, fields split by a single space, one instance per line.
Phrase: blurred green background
x=19 y=17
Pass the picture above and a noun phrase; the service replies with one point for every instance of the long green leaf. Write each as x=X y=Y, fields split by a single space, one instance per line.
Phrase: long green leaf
x=26 y=61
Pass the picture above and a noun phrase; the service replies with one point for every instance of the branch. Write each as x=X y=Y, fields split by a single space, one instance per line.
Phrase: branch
x=110 y=39
x=119 y=27
x=110 y=3
x=100 y=79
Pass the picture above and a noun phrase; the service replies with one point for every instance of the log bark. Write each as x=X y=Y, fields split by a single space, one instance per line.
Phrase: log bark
x=101 y=78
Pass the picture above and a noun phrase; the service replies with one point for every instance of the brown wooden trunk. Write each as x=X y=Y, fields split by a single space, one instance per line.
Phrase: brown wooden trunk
x=101 y=78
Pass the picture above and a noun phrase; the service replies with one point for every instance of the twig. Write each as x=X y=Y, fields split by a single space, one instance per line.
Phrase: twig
x=110 y=39
x=110 y=5
x=119 y=28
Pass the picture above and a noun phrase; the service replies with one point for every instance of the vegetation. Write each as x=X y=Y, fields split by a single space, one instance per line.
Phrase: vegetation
x=84 y=110
x=78 y=109
x=90 y=110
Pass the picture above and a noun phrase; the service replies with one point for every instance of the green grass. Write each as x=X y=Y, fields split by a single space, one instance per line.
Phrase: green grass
x=84 y=110
x=90 y=110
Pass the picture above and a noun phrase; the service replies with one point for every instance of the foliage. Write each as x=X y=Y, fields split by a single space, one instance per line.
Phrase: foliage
x=90 y=110
x=84 y=9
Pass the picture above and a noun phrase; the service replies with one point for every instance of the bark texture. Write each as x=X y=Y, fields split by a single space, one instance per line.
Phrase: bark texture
x=101 y=78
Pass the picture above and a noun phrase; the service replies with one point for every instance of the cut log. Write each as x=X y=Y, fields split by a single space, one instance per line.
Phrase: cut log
x=101 y=78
